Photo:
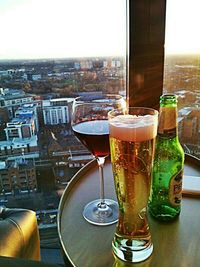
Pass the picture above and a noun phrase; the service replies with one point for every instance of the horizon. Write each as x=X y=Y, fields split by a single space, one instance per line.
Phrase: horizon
x=181 y=55
x=60 y=58
x=55 y=29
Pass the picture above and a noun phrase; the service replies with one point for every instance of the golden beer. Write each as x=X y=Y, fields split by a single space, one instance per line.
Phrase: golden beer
x=132 y=142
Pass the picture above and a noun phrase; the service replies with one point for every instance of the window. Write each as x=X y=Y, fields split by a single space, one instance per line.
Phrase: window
x=182 y=69
x=81 y=50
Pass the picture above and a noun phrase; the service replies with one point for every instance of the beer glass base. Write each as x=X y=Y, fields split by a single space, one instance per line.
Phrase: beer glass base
x=134 y=252
x=98 y=214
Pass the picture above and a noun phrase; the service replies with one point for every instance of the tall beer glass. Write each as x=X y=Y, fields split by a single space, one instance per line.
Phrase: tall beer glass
x=132 y=142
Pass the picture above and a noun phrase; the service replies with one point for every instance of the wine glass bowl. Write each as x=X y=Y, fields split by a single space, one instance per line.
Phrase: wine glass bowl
x=90 y=126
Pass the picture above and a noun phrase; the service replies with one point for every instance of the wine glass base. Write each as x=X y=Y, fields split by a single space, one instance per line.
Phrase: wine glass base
x=98 y=214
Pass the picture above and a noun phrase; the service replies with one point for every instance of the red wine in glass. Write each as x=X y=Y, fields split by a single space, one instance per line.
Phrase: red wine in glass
x=94 y=135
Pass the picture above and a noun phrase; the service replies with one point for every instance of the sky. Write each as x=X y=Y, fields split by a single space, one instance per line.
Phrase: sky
x=62 y=28
x=182 y=27
x=76 y=28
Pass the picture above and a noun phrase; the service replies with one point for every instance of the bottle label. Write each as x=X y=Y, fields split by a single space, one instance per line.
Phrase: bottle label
x=168 y=121
x=175 y=189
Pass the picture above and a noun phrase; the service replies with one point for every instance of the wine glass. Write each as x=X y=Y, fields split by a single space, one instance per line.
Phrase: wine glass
x=90 y=126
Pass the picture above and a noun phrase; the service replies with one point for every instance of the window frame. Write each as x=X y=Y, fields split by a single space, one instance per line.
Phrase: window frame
x=145 y=51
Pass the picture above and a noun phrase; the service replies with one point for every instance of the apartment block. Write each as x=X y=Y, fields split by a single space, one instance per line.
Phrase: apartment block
x=19 y=146
x=17 y=176
x=12 y=99
x=57 y=111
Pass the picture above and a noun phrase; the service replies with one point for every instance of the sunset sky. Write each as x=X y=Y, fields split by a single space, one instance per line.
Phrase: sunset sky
x=74 y=28
x=182 y=26
x=61 y=28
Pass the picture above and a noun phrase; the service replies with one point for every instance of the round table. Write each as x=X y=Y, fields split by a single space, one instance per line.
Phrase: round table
x=176 y=244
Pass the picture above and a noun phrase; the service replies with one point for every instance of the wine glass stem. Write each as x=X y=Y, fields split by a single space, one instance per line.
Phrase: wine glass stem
x=101 y=161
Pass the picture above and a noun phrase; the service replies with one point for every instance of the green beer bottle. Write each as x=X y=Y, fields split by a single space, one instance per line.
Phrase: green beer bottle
x=165 y=198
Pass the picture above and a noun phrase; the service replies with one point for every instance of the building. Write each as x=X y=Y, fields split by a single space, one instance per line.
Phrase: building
x=189 y=127
x=112 y=63
x=182 y=114
x=189 y=124
x=77 y=65
x=21 y=133
x=5 y=73
x=17 y=147
x=25 y=124
x=12 y=99
x=20 y=128
x=116 y=64
x=189 y=130
x=17 y=176
x=29 y=111
x=32 y=76
x=57 y=111
x=86 y=64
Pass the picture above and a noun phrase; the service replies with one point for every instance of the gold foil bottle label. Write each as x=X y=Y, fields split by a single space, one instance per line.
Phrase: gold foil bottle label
x=167 y=121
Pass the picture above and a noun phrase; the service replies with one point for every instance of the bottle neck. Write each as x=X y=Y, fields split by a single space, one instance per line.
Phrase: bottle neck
x=167 y=126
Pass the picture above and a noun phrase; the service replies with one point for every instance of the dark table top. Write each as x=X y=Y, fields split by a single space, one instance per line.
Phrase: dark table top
x=176 y=244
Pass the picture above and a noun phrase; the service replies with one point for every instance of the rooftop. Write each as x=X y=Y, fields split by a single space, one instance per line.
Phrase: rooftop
x=20 y=142
x=9 y=93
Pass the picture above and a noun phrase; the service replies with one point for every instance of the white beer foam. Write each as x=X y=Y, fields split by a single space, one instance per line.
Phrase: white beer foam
x=133 y=128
